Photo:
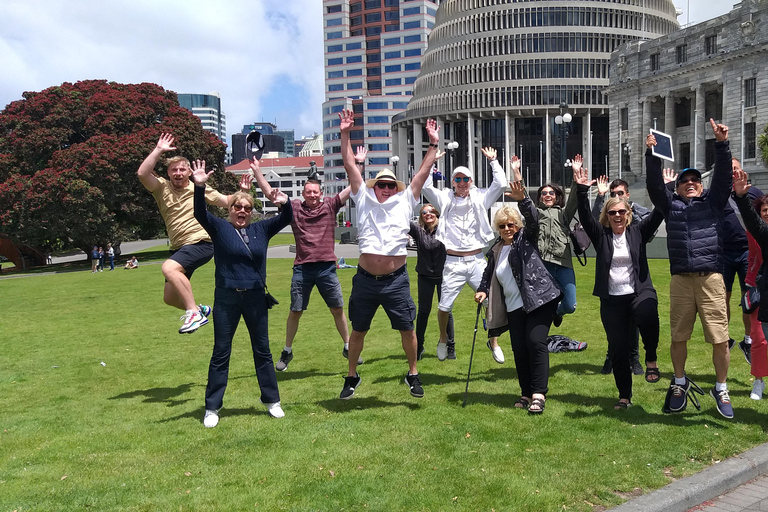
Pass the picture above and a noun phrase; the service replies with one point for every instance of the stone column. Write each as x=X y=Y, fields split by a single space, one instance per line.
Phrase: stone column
x=669 y=114
x=418 y=155
x=471 y=147
x=700 y=129
x=647 y=124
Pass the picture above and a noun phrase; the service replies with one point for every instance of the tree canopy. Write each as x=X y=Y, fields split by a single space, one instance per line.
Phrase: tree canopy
x=69 y=156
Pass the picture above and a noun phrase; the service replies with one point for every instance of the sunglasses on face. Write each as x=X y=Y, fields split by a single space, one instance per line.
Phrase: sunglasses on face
x=428 y=212
x=238 y=207
x=619 y=193
x=548 y=192
x=616 y=212
x=386 y=184
x=459 y=179
x=507 y=226
x=692 y=179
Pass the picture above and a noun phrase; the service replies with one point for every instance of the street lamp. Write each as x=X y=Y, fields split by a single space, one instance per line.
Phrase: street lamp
x=562 y=121
x=395 y=159
x=627 y=158
x=452 y=147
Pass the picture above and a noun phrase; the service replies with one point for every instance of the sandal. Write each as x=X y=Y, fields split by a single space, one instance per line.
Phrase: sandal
x=652 y=375
x=537 y=406
x=622 y=405
x=523 y=403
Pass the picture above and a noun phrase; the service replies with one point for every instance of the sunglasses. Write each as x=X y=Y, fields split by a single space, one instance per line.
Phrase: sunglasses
x=692 y=179
x=616 y=212
x=548 y=193
x=386 y=184
x=238 y=207
x=619 y=193
x=459 y=179
x=428 y=212
x=507 y=226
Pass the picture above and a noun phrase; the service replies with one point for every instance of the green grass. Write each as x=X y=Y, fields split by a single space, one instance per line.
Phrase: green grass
x=76 y=435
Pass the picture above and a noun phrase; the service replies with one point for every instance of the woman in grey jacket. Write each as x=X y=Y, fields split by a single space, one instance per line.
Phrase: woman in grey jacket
x=522 y=297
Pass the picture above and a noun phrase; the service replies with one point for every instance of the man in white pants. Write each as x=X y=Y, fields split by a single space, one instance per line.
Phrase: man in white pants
x=465 y=231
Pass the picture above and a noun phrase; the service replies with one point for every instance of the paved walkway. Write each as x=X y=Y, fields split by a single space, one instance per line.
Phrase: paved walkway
x=749 y=497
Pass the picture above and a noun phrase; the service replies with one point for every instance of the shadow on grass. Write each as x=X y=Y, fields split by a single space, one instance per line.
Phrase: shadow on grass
x=338 y=405
x=306 y=374
x=159 y=395
x=198 y=413
x=500 y=399
x=578 y=368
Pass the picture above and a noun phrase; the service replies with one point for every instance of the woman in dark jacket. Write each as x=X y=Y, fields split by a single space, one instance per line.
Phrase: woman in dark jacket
x=622 y=281
x=239 y=250
x=522 y=297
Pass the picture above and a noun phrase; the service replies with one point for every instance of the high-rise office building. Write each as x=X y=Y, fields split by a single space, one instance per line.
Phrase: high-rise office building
x=207 y=107
x=373 y=52
x=288 y=149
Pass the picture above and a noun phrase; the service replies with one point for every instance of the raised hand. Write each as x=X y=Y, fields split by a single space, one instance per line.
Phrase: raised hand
x=439 y=155
x=360 y=154
x=165 y=143
x=278 y=197
x=245 y=182
x=581 y=176
x=650 y=140
x=490 y=153
x=347 y=118
x=517 y=193
x=740 y=183
x=669 y=175
x=255 y=167
x=576 y=163
x=199 y=175
x=602 y=185
x=514 y=164
x=721 y=131
x=433 y=131
x=480 y=297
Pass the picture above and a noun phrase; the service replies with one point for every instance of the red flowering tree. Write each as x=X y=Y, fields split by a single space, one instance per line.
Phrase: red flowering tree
x=69 y=156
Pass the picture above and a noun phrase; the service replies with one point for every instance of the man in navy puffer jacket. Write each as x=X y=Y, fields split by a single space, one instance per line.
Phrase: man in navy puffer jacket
x=694 y=218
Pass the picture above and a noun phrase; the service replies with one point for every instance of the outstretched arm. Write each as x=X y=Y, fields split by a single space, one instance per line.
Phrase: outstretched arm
x=499 y=182
x=433 y=131
x=722 y=178
x=146 y=169
x=347 y=118
x=514 y=164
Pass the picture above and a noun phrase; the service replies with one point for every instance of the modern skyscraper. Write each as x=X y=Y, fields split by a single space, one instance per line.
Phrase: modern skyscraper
x=208 y=108
x=373 y=51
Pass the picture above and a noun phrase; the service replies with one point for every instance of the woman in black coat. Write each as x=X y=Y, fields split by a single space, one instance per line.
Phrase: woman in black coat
x=522 y=297
x=622 y=281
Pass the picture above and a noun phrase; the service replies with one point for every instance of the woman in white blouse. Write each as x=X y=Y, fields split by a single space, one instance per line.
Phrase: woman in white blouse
x=622 y=281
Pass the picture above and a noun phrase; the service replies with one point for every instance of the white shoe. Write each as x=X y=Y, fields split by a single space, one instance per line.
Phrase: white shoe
x=275 y=410
x=211 y=418
x=498 y=355
x=757 y=390
x=442 y=351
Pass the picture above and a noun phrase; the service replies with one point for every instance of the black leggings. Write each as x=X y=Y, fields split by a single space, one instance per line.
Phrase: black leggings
x=620 y=313
x=528 y=334
x=426 y=286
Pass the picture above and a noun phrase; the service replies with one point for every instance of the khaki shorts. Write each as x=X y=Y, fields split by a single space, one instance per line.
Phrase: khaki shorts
x=691 y=294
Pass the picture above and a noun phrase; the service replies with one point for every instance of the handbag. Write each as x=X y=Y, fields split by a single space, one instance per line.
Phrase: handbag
x=271 y=300
x=580 y=241
x=751 y=299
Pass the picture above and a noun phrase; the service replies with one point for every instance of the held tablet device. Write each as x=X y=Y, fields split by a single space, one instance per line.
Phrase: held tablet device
x=663 y=148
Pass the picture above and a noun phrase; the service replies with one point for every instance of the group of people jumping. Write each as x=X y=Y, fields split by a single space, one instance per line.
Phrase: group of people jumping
x=526 y=277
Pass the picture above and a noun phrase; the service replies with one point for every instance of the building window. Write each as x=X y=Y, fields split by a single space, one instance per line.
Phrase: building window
x=356 y=7
x=354 y=59
x=392 y=15
x=750 y=96
x=372 y=31
x=391 y=3
x=374 y=44
x=372 y=4
x=377 y=105
x=413 y=66
x=374 y=71
x=354 y=46
x=412 y=39
x=336 y=48
x=410 y=80
x=411 y=24
x=378 y=147
x=335 y=87
x=356 y=33
x=655 y=62
x=378 y=161
x=333 y=8
x=358 y=72
x=711 y=44
x=333 y=23
x=393 y=81
x=373 y=17
x=377 y=133
x=373 y=57
x=333 y=62
x=684 y=155
x=392 y=55
x=624 y=115
x=333 y=35
x=391 y=28
x=378 y=119
x=411 y=10
x=354 y=85
x=682 y=54
x=412 y=53
x=356 y=20
x=391 y=40
x=393 y=69
x=683 y=112
x=374 y=84
x=749 y=140
x=335 y=74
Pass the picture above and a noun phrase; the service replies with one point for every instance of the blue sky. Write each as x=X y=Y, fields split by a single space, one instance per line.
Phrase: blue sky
x=265 y=57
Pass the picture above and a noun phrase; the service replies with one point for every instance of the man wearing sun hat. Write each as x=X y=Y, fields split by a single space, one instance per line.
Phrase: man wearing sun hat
x=465 y=231
x=384 y=209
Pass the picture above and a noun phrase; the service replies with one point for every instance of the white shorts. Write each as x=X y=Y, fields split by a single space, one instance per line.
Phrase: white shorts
x=458 y=271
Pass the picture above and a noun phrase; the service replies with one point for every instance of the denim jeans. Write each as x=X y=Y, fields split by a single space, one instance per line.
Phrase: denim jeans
x=566 y=279
x=228 y=306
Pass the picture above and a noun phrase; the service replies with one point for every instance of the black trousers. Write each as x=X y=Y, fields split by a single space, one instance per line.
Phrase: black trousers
x=228 y=306
x=620 y=314
x=427 y=286
x=528 y=334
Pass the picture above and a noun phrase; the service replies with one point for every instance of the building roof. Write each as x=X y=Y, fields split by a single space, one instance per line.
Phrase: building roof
x=298 y=161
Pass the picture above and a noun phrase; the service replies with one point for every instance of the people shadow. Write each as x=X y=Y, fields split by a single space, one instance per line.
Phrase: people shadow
x=363 y=402
x=198 y=413
x=576 y=368
x=302 y=374
x=166 y=396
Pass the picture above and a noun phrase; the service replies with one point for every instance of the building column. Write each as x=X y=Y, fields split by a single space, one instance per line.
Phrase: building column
x=586 y=142
x=700 y=129
x=402 y=149
x=507 y=154
x=418 y=154
x=471 y=146
x=645 y=106
x=669 y=114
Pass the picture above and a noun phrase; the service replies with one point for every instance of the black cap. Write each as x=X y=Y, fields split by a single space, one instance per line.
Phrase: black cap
x=255 y=144
x=687 y=170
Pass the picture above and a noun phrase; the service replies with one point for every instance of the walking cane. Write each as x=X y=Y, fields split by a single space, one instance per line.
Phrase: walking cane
x=477 y=319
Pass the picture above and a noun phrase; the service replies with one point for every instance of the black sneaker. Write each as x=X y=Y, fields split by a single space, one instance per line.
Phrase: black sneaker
x=731 y=342
x=285 y=358
x=415 y=385
x=637 y=368
x=677 y=395
x=607 y=367
x=350 y=383
x=345 y=353
x=747 y=349
x=557 y=320
x=723 y=401
x=451 y=349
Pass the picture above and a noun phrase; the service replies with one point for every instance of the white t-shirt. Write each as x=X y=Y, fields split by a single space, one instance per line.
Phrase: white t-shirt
x=383 y=227
x=506 y=279
x=462 y=232
x=620 y=275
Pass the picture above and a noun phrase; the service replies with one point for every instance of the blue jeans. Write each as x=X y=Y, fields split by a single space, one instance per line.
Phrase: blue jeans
x=228 y=306
x=566 y=279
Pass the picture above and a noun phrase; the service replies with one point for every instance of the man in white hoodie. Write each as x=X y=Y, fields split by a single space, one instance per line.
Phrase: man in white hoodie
x=465 y=231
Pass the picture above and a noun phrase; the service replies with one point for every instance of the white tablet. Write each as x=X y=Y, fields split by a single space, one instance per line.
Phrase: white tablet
x=663 y=148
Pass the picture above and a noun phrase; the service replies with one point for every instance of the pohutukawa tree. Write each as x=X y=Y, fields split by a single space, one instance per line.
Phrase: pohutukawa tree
x=68 y=161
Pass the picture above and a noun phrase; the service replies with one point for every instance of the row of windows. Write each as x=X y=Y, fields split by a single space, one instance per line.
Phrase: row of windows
x=511 y=44
x=556 y=17
x=359 y=135
x=406 y=39
x=399 y=67
x=372 y=4
x=340 y=47
x=414 y=52
x=351 y=86
x=353 y=59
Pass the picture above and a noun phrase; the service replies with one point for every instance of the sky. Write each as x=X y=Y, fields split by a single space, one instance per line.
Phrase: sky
x=265 y=57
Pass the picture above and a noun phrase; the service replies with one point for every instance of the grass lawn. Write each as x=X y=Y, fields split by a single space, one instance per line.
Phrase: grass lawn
x=102 y=405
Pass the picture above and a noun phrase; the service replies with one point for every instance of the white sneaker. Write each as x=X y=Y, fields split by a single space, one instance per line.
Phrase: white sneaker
x=442 y=351
x=211 y=418
x=192 y=321
x=757 y=390
x=498 y=355
x=275 y=410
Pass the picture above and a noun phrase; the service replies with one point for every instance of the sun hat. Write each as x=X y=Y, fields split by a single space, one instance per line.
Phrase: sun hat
x=385 y=175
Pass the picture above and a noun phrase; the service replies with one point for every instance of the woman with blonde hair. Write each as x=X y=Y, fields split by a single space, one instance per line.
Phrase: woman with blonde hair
x=522 y=296
x=622 y=281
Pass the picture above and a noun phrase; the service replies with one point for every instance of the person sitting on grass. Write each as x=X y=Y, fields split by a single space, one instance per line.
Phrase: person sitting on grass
x=240 y=252
x=622 y=281
x=132 y=263
x=522 y=296
x=384 y=209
